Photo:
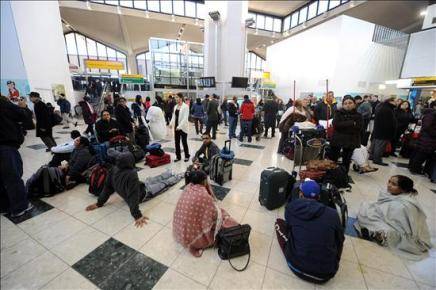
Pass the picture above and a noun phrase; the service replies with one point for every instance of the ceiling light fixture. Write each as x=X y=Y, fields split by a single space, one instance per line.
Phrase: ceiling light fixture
x=423 y=13
x=264 y=45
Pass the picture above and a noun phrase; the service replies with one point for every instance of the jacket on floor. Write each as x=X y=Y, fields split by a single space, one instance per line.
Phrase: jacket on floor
x=385 y=124
x=247 y=110
x=347 y=126
x=123 y=179
x=124 y=118
x=315 y=238
x=12 y=121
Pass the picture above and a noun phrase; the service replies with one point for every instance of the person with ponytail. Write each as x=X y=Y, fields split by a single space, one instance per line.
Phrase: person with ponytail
x=396 y=220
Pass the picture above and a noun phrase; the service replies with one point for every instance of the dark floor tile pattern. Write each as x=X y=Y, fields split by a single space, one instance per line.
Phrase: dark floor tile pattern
x=349 y=229
x=253 y=146
x=400 y=164
x=242 y=161
x=39 y=207
x=37 y=146
x=219 y=191
x=114 y=265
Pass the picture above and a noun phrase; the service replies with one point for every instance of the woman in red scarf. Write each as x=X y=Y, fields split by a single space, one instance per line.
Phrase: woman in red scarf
x=197 y=217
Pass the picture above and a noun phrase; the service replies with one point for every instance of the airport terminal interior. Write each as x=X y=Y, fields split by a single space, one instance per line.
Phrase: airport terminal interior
x=188 y=144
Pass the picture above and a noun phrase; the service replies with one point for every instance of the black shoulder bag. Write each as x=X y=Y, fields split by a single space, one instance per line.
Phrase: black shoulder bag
x=233 y=242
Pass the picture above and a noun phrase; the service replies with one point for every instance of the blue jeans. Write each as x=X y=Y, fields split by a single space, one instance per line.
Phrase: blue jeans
x=245 y=129
x=226 y=115
x=12 y=191
x=233 y=122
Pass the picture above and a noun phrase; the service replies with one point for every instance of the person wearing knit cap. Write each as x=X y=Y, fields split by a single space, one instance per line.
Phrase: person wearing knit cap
x=311 y=236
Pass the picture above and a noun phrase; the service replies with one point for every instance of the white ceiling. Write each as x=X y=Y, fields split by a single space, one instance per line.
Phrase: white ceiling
x=279 y=8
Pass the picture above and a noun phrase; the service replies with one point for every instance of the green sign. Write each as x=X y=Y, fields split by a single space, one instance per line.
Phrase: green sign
x=132 y=79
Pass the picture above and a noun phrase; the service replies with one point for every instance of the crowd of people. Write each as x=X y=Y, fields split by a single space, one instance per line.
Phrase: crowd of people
x=395 y=220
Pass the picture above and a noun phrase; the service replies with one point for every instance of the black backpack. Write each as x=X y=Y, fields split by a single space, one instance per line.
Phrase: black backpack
x=142 y=137
x=338 y=177
x=47 y=181
x=331 y=197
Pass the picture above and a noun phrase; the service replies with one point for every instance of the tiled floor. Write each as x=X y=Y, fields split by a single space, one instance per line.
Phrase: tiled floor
x=62 y=246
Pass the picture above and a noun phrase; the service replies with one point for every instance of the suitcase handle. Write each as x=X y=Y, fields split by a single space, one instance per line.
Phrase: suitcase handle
x=228 y=142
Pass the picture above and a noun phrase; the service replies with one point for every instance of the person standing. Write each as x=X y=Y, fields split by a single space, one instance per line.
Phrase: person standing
x=124 y=118
x=385 y=125
x=404 y=117
x=205 y=102
x=13 y=120
x=136 y=108
x=180 y=124
x=212 y=117
x=225 y=110
x=198 y=116
x=347 y=125
x=365 y=109
x=169 y=108
x=233 y=116
x=44 y=123
x=247 y=115
x=65 y=107
x=289 y=104
x=280 y=112
x=89 y=115
x=271 y=109
x=156 y=120
x=146 y=104
x=325 y=110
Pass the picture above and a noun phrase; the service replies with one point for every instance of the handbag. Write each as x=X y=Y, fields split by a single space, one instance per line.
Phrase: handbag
x=233 y=242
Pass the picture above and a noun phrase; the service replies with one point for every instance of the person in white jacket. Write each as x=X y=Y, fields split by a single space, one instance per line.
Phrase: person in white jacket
x=156 y=120
x=63 y=152
x=180 y=124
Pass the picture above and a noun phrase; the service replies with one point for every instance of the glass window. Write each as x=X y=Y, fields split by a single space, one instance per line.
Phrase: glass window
x=286 y=23
x=334 y=3
x=312 y=10
x=126 y=3
x=120 y=56
x=294 y=19
x=190 y=8
x=140 y=4
x=303 y=15
x=166 y=6
x=101 y=49
x=153 y=5
x=252 y=16
x=81 y=44
x=260 y=21
x=322 y=6
x=98 y=1
x=112 y=2
x=201 y=11
x=111 y=52
x=344 y=1
x=179 y=8
x=71 y=43
x=141 y=56
x=277 y=25
x=269 y=23
x=92 y=49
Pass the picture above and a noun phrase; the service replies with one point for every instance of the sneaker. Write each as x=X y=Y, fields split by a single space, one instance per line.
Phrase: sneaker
x=29 y=208
x=187 y=158
x=75 y=124
x=47 y=150
x=177 y=160
x=381 y=163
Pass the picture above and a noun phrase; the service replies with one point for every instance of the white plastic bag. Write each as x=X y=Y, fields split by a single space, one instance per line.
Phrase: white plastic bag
x=360 y=156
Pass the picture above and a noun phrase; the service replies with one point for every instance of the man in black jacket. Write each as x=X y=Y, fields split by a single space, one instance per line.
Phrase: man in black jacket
x=106 y=127
x=124 y=118
x=225 y=109
x=212 y=117
x=233 y=116
x=204 y=155
x=271 y=109
x=80 y=158
x=326 y=108
x=13 y=120
x=123 y=179
x=44 y=122
x=385 y=126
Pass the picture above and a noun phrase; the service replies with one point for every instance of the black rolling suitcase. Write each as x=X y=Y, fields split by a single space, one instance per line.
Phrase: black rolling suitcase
x=275 y=185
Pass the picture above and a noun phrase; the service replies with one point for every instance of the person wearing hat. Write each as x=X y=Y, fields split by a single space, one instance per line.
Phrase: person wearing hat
x=44 y=124
x=311 y=236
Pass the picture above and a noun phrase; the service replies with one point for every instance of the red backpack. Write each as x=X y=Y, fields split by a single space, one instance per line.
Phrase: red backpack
x=97 y=179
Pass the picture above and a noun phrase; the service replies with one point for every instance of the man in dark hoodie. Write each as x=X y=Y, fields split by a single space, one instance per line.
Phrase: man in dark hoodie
x=123 y=179
x=312 y=237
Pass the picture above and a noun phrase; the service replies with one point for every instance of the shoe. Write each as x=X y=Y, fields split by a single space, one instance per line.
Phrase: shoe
x=47 y=150
x=75 y=124
x=249 y=140
x=29 y=208
x=66 y=127
x=186 y=159
x=381 y=163
x=241 y=140
x=272 y=136
x=394 y=155
x=177 y=160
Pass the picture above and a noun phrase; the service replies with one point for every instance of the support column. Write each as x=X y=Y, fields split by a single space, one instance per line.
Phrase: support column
x=225 y=42
x=39 y=32
x=131 y=63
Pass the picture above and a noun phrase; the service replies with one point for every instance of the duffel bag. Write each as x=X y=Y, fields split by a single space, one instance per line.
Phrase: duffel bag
x=137 y=152
x=316 y=175
x=320 y=165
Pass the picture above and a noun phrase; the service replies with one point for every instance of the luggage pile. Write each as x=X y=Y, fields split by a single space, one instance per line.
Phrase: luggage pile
x=156 y=156
x=119 y=144
x=275 y=186
x=45 y=182
x=221 y=165
x=317 y=169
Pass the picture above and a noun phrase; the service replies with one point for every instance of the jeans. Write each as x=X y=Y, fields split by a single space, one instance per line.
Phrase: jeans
x=48 y=141
x=417 y=160
x=179 y=134
x=245 y=129
x=273 y=130
x=233 y=122
x=346 y=155
x=377 y=149
x=168 y=117
x=198 y=125
x=90 y=129
x=226 y=114
x=212 y=125
x=12 y=191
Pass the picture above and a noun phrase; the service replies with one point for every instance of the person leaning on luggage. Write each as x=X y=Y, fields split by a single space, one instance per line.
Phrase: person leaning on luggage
x=124 y=118
x=312 y=237
x=123 y=179
x=80 y=158
x=63 y=152
x=204 y=155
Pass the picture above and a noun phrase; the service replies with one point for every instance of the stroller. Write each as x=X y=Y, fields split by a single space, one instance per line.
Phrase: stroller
x=258 y=126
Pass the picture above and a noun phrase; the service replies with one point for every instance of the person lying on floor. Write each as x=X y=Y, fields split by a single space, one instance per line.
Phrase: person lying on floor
x=204 y=155
x=78 y=163
x=197 y=218
x=123 y=179
x=312 y=237
x=63 y=152
x=396 y=220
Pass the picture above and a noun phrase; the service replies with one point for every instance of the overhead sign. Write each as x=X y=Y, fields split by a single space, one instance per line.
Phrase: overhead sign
x=132 y=79
x=266 y=75
x=104 y=64
x=268 y=85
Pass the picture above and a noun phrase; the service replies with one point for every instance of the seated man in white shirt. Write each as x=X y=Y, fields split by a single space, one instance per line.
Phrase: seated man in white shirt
x=63 y=152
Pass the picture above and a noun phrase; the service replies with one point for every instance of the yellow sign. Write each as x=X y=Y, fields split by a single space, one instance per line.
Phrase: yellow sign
x=104 y=64
x=425 y=79
x=127 y=76
x=266 y=75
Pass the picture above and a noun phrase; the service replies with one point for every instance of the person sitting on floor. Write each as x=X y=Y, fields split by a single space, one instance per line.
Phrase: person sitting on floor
x=63 y=152
x=197 y=219
x=204 y=155
x=396 y=220
x=78 y=163
x=123 y=179
x=106 y=127
x=312 y=237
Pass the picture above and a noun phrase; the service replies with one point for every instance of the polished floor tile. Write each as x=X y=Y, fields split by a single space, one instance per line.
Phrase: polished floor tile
x=39 y=207
x=69 y=280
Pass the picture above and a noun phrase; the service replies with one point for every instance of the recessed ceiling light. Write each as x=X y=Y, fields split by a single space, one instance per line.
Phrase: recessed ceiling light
x=423 y=13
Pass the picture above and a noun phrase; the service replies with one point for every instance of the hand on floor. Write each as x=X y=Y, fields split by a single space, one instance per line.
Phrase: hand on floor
x=139 y=223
